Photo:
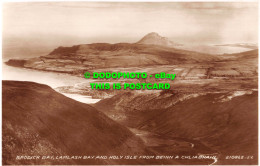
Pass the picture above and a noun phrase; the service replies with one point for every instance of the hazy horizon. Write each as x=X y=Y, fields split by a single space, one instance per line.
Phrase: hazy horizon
x=48 y=25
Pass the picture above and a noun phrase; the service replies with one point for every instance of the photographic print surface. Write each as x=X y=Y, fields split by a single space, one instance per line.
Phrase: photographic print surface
x=130 y=83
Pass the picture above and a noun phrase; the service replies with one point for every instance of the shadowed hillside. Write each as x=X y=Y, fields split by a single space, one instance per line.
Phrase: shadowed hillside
x=39 y=121
x=224 y=122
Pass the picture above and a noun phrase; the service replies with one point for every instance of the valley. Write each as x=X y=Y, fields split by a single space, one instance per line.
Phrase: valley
x=209 y=112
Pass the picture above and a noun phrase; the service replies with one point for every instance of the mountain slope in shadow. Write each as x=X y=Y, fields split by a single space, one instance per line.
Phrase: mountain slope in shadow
x=225 y=122
x=39 y=121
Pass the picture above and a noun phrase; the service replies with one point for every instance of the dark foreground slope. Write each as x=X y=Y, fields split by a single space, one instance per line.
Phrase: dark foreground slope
x=226 y=122
x=39 y=121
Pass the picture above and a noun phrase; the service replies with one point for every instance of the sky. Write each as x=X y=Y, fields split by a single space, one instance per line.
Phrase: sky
x=69 y=23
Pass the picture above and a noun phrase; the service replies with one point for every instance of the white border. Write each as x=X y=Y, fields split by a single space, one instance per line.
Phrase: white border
x=10 y=1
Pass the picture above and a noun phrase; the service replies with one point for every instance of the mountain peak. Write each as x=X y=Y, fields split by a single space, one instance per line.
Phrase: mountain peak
x=153 y=34
x=154 y=38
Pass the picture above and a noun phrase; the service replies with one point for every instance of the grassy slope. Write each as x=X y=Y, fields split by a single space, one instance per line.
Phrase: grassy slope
x=39 y=121
x=229 y=127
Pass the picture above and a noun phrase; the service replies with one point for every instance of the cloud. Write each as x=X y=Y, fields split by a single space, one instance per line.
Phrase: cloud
x=128 y=22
